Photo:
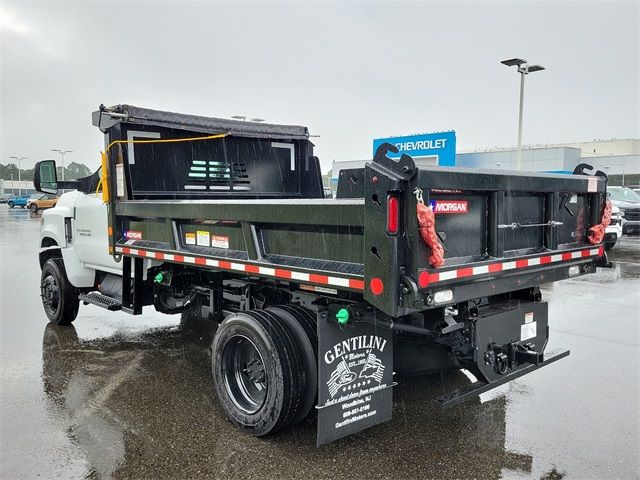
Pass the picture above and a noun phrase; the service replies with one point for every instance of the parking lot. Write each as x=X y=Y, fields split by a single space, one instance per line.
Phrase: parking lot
x=132 y=397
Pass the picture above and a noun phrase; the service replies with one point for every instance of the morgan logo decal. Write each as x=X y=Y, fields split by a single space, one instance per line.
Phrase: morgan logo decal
x=449 y=206
x=357 y=365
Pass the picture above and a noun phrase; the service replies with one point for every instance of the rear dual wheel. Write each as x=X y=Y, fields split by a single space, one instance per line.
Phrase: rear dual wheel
x=264 y=369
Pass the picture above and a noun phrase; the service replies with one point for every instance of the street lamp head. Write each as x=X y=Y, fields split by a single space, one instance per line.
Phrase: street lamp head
x=258 y=120
x=513 y=62
x=535 y=68
x=239 y=117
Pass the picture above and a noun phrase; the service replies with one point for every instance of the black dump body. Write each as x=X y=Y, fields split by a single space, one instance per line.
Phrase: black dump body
x=234 y=212
x=259 y=189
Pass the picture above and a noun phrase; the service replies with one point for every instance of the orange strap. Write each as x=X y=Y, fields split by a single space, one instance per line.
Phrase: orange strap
x=596 y=233
x=427 y=229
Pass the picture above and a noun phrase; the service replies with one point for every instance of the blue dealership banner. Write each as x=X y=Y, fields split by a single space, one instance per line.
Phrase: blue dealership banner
x=442 y=145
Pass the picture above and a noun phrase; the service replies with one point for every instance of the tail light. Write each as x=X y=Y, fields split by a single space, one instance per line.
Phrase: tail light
x=393 y=214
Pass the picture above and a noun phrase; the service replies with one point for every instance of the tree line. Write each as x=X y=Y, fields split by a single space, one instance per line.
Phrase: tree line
x=73 y=171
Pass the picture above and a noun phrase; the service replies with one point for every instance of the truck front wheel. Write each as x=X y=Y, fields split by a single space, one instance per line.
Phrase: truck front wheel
x=257 y=371
x=59 y=297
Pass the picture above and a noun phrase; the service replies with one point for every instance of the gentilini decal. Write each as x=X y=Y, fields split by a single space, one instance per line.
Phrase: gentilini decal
x=358 y=367
x=449 y=206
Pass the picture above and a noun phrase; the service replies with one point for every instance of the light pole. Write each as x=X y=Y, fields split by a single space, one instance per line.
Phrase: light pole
x=13 y=192
x=62 y=151
x=19 y=159
x=524 y=69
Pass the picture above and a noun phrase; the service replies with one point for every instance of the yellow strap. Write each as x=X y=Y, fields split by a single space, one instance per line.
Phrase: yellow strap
x=103 y=176
x=168 y=140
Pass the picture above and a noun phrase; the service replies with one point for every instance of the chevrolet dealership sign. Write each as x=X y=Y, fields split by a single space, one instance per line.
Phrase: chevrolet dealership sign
x=441 y=145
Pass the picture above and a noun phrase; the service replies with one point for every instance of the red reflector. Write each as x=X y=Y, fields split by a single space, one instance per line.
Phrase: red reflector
x=495 y=267
x=423 y=279
x=392 y=214
x=376 y=286
x=251 y=268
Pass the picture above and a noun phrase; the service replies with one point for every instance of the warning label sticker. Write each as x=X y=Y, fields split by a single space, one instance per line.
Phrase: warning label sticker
x=219 y=241
x=133 y=234
x=528 y=330
x=120 y=180
x=203 y=238
x=592 y=184
x=190 y=238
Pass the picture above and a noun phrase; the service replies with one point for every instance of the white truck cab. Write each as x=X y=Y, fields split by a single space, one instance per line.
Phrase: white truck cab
x=77 y=228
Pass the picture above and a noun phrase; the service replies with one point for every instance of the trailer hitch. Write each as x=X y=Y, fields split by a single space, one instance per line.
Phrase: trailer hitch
x=503 y=357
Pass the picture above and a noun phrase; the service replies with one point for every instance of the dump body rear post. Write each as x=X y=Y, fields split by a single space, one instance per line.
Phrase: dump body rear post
x=318 y=302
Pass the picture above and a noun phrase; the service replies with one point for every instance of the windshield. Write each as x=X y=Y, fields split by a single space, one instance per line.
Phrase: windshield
x=623 y=194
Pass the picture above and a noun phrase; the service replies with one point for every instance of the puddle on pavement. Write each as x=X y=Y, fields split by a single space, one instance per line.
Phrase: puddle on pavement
x=143 y=405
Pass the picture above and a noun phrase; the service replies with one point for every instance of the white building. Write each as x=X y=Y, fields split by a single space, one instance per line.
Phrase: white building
x=618 y=158
x=14 y=187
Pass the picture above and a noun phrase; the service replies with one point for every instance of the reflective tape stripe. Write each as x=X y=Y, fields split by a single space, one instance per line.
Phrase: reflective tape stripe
x=441 y=276
x=271 y=271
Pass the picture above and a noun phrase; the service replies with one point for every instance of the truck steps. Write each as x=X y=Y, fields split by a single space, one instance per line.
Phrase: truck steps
x=96 y=298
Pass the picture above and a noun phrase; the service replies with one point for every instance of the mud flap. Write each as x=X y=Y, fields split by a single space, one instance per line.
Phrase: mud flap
x=355 y=376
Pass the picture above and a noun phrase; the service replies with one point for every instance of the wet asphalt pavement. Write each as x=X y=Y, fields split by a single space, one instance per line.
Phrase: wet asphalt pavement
x=132 y=397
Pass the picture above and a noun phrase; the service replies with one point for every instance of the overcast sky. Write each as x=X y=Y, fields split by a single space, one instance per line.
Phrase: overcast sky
x=350 y=72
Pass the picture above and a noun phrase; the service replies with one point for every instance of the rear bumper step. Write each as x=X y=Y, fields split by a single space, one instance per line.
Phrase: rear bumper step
x=95 y=298
x=460 y=395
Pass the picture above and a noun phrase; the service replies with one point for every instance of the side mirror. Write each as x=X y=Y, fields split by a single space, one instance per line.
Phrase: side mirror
x=45 y=177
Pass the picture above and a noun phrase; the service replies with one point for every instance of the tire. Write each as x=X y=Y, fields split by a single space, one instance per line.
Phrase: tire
x=257 y=372
x=59 y=297
x=609 y=245
x=11 y=204
x=303 y=330
x=34 y=208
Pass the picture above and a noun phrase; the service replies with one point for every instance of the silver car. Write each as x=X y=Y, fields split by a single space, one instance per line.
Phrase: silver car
x=628 y=202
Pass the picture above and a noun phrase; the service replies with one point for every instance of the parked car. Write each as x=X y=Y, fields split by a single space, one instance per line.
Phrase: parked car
x=41 y=201
x=628 y=202
x=4 y=197
x=614 y=230
x=18 y=201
